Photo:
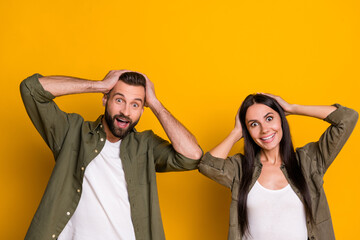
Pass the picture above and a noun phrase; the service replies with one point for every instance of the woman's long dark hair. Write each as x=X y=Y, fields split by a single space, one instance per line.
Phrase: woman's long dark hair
x=287 y=155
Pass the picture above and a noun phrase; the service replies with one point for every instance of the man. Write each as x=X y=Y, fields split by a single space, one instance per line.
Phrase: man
x=103 y=185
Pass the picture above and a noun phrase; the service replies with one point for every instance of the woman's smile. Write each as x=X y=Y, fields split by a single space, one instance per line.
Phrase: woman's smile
x=268 y=138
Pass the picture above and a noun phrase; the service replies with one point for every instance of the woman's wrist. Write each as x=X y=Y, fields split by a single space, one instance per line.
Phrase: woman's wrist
x=293 y=109
x=236 y=134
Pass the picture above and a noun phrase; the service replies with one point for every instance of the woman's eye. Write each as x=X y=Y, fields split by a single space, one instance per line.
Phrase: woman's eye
x=254 y=124
x=269 y=118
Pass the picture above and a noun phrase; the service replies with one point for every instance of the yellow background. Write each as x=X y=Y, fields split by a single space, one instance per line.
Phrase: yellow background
x=204 y=58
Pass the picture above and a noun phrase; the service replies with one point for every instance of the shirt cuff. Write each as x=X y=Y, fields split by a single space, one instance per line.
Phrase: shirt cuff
x=37 y=90
x=212 y=161
x=340 y=114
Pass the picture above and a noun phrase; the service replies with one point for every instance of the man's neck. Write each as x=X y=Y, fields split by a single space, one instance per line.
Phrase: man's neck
x=109 y=136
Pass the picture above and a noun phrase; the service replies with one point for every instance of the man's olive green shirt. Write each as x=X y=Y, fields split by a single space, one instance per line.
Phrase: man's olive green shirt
x=75 y=143
x=314 y=159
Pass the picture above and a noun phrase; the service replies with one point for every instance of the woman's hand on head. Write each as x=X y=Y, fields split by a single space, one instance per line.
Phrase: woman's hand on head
x=223 y=148
x=237 y=128
x=288 y=108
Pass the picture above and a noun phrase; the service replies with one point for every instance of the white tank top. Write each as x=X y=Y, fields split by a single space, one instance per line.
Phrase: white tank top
x=104 y=209
x=275 y=214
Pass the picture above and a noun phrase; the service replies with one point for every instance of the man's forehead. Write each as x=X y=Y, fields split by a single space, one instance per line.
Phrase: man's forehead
x=128 y=91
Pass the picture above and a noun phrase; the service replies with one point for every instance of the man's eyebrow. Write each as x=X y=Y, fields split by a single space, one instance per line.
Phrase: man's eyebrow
x=122 y=95
x=119 y=94
x=139 y=99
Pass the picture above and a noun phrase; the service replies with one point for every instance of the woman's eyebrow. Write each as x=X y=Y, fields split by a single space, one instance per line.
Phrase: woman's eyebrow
x=267 y=114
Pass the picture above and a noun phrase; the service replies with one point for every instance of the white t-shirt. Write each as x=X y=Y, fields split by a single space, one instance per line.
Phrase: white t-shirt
x=104 y=209
x=275 y=214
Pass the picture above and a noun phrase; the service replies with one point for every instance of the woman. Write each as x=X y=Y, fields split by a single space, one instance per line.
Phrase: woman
x=277 y=192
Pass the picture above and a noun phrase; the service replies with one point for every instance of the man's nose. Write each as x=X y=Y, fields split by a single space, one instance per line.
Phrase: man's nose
x=125 y=110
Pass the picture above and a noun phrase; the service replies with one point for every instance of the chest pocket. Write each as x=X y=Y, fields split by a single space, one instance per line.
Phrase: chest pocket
x=143 y=168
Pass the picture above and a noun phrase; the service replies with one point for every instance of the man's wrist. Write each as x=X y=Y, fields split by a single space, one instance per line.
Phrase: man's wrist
x=156 y=106
x=99 y=86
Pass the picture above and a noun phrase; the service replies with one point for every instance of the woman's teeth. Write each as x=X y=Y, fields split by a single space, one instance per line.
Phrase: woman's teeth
x=267 y=138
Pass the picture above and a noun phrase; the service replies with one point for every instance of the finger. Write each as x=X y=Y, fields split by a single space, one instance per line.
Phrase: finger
x=270 y=95
x=120 y=72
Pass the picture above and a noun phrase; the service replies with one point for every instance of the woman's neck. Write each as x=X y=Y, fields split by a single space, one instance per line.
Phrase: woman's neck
x=270 y=157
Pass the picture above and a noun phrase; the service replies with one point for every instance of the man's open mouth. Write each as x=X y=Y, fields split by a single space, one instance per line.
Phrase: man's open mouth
x=122 y=122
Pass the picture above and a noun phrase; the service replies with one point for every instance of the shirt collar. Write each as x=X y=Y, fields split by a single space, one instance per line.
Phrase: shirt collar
x=95 y=125
x=257 y=159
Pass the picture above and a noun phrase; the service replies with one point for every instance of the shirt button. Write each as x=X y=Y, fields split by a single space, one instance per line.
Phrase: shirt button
x=78 y=190
x=82 y=168
x=68 y=213
x=53 y=236
x=96 y=150
x=101 y=125
x=97 y=131
x=101 y=139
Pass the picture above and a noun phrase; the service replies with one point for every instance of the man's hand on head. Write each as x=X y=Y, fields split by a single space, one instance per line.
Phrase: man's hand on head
x=111 y=79
x=150 y=96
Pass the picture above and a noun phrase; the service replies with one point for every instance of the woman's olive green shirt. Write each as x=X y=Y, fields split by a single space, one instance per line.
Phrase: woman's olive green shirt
x=314 y=158
x=75 y=143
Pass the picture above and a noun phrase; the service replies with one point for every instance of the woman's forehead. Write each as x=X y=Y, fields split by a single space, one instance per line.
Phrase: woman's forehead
x=258 y=110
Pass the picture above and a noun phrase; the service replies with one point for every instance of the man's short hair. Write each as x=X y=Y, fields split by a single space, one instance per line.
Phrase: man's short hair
x=133 y=78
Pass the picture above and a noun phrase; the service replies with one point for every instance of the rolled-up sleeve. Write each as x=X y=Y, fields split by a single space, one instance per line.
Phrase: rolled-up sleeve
x=48 y=119
x=167 y=159
x=343 y=121
x=220 y=170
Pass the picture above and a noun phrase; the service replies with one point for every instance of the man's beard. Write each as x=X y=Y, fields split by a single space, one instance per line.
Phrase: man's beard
x=115 y=130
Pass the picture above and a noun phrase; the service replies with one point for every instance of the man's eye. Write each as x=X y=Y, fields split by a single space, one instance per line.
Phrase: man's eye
x=135 y=105
x=119 y=100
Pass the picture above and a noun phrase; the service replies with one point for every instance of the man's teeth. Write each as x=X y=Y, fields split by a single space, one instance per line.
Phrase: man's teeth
x=120 y=120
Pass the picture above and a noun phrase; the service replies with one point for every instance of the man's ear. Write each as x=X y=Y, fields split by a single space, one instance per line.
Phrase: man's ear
x=104 y=99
